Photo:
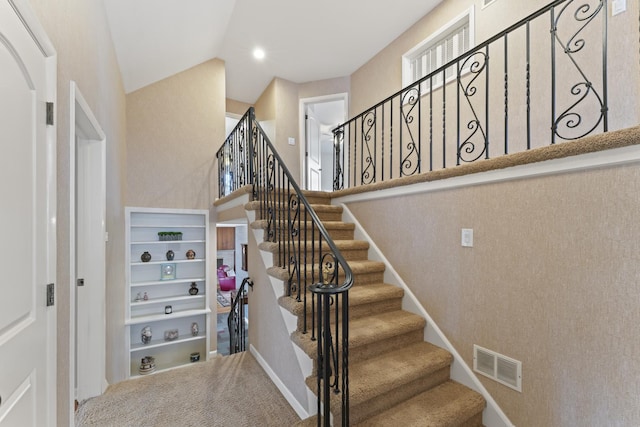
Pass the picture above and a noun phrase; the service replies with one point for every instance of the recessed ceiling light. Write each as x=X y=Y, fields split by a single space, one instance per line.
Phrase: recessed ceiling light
x=258 y=53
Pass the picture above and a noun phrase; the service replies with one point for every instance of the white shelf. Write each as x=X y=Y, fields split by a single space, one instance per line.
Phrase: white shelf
x=152 y=301
x=167 y=282
x=162 y=242
x=167 y=227
x=163 y=343
x=156 y=317
x=179 y=261
x=142 y=226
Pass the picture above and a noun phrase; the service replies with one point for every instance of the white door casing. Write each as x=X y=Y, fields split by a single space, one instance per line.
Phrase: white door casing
x=314 y=166
x=28 y=194
x=333 y=110
x=87 y=257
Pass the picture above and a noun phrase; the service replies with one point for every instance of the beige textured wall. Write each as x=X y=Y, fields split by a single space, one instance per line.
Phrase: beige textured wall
x=324 y=87
x=551 y=281
x=276 y=106
x=78 y=30
x=236 y=107
x=287 y=125
x=174 y=127
x=268 y=332
x=381 y=76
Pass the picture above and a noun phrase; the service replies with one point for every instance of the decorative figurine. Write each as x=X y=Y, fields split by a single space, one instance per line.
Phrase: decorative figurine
x=145 y=257
x=171 y=335
x=191 y=254
x=195 y=330
x=145 y=335
x=145 y=297
x=147 y=365
x=170 y=255
x=193 y=290
x=168 y=271
x=168 y=309
x=138 y=297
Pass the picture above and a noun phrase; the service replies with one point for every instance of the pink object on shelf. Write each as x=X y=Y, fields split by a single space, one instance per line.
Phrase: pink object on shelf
x=226 y=283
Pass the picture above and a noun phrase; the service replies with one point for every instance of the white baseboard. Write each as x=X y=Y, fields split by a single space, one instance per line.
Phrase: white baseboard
x=302 y=413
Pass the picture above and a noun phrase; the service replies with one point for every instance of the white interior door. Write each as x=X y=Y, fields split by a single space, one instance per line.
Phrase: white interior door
x=89 y=253
x=314 y=158
x=27 y=257
x=90 y=270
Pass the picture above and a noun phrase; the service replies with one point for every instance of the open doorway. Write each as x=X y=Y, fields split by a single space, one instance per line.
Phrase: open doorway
x=87 y=250
x=231 y=270
x=318 y=117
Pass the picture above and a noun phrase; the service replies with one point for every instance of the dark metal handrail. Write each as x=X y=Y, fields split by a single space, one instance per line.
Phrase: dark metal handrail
x=236 y=319
x=410 y=124
x=306 y=254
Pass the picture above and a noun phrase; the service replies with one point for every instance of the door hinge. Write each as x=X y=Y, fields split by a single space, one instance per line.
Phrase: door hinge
x=50 y=294
x=50 y=113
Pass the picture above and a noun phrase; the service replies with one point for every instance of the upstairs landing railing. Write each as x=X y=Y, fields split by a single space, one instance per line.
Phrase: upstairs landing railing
x=317 y=275
x=543 y=79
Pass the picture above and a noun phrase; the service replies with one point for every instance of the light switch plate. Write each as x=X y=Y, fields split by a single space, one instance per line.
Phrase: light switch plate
x=618 y=6
x=467 y=237
x=292 y=141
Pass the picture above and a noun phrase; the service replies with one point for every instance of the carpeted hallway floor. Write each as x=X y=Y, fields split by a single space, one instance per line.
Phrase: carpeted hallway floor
x=231 y=391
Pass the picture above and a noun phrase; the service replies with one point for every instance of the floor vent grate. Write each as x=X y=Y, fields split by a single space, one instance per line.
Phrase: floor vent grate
x=498 y=367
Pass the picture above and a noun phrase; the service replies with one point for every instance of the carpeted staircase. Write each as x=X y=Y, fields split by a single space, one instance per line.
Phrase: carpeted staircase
x=395 y=378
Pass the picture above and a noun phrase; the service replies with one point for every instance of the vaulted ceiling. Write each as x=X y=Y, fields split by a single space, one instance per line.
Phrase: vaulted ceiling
x=304 y=40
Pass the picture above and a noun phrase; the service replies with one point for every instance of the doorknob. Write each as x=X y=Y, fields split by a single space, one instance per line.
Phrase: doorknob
x=80 y=282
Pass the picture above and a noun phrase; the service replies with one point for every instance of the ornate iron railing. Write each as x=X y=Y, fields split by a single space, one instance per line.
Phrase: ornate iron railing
x=541 y=90
x=236 y=321
x=315 y=272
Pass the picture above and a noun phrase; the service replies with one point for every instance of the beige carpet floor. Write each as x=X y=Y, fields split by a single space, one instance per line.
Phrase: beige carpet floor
x=226 y=391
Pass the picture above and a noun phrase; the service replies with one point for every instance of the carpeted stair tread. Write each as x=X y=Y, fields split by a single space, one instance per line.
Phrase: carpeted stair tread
x=368 y=330
x=329 y=225
x=358 y=296
x=379 y=383
x=447 y=405
x=342 y=245
x=357 y=267
x=318 y=208
x=394 y=369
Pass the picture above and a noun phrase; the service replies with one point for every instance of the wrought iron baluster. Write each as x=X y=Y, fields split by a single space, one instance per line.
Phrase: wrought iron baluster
x=368 y=160
x=506 y=95
x=528 y=84
x=486 y=105
x=444 y=121
x=391 y=138
x=411 y=161
x=553 y=75
x=570 y=118
x=430 y=123
x=469 y=90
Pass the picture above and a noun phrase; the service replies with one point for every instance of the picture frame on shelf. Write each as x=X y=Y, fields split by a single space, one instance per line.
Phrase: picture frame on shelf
x=168 y=271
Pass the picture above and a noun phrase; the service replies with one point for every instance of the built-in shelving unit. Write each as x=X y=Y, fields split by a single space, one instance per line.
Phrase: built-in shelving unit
x=158 y=289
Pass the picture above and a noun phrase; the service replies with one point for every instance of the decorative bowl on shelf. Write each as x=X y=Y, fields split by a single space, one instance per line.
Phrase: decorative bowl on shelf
x=147 y=365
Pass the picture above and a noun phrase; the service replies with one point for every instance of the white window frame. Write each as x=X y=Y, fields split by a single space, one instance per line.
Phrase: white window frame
x=434 y=39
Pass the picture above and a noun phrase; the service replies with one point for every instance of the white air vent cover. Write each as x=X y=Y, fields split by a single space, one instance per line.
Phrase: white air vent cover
x=502 y=369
